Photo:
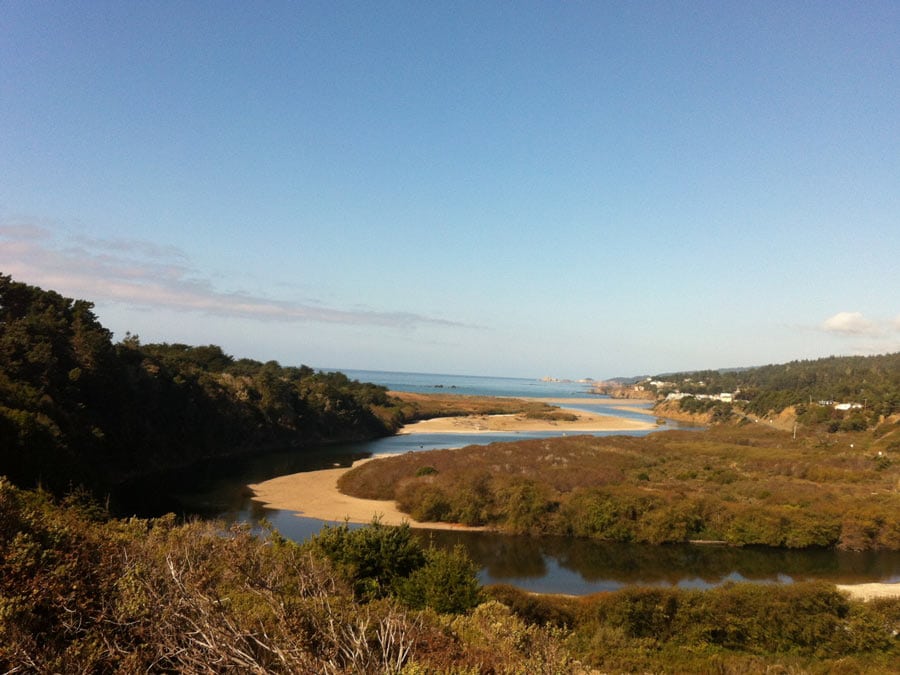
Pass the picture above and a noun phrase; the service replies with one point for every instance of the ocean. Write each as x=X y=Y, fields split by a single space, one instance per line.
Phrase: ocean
x=471 y=385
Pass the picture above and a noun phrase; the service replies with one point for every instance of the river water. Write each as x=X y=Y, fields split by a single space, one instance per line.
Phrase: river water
x=539 y=564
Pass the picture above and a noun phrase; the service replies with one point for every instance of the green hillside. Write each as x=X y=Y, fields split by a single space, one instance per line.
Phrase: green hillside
x=867 y=386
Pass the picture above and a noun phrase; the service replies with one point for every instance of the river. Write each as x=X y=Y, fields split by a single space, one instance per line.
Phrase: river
x=539 y=564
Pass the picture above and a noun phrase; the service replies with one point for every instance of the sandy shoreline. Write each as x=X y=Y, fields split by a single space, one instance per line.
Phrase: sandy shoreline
x=872 y=591
x=315 y=494
x=512 y=423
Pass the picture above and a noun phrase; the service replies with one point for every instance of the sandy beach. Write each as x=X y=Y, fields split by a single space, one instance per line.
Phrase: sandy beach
x=478 y=424
x=314 y=494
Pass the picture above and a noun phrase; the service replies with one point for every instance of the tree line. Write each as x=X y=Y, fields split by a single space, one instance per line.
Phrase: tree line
x=814 y=386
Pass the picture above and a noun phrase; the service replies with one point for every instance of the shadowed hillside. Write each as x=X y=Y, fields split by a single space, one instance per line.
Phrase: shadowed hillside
x=76 y=408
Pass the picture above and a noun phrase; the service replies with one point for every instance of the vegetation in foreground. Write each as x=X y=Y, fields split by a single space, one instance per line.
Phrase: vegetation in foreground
x=83 y=593
x=741 y=485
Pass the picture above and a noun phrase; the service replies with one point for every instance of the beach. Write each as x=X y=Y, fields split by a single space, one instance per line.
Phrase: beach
x=871 y=591
x=585 y=422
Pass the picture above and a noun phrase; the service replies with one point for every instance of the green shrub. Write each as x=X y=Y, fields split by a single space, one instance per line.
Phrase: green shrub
x=371 y=558
x=446 y=583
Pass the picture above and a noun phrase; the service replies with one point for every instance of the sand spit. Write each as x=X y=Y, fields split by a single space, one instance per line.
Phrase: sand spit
x=315 y=494
x=513 y=423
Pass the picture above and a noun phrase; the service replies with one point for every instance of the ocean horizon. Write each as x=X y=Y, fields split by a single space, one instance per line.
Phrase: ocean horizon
x=471 y=385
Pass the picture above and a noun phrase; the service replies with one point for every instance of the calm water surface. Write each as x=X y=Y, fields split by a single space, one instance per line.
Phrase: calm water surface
x=540 y=564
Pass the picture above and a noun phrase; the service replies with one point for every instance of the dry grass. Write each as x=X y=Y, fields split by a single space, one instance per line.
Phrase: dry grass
x=426 y=406
x=745 y=485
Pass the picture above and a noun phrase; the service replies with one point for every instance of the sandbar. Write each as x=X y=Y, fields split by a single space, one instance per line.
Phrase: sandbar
x=315 y=494
x=512 y=423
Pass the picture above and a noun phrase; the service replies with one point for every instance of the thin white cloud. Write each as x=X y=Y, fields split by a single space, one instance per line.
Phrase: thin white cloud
x=850 y=323
x=143 y=274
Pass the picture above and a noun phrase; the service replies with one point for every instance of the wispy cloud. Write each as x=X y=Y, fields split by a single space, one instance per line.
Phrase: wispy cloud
x=144 y=274
x=864 y=335
x=850 y=323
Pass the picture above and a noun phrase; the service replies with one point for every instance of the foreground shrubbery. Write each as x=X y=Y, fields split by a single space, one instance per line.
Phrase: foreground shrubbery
x=737 y=628
x=79 y=593
x=747 y=485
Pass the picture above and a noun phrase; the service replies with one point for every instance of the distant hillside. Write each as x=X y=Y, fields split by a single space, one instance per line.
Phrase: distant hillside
x=832 y=390
x=76 y=408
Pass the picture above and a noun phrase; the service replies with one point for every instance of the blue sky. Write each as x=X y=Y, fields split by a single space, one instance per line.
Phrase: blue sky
x=524 y=189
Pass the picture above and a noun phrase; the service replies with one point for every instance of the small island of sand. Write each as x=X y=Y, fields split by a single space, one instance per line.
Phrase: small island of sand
x=584 y=422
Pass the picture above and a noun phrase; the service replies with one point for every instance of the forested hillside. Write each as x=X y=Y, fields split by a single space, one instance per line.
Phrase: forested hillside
x=871 y=384
x=75 y=408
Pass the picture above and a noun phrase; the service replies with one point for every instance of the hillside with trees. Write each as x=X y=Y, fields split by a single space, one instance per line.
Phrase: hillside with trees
x=839 y=393
x=75 y=408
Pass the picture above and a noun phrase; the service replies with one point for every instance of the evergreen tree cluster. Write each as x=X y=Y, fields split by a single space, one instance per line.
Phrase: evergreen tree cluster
x=77 y=408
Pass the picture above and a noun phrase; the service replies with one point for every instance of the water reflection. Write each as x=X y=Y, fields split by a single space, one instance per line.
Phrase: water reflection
x=569 y=565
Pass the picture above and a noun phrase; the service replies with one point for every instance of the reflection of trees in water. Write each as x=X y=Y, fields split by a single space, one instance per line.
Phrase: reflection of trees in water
x=507 y=556
x=671 y=564
x=503 y=556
